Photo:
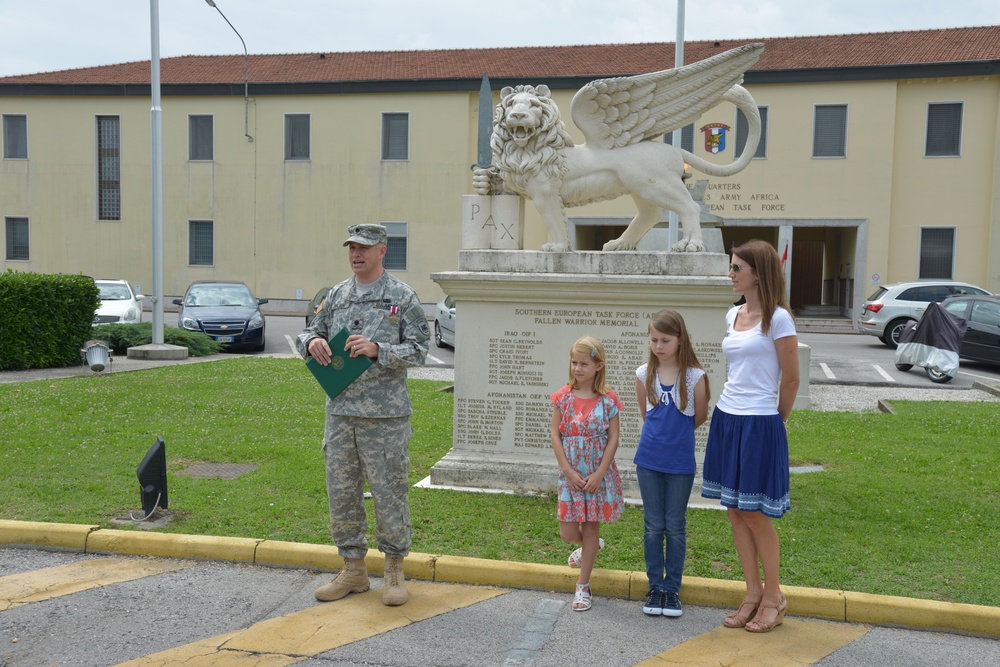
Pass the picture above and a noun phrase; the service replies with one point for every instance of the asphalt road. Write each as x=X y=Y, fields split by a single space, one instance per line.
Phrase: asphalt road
x=93 y=610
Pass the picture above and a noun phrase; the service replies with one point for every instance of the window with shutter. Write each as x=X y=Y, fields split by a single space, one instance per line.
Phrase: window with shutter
x=16 y=239
x=830 y=130
x=395 y=254
x=395 y=136
x=944 y=130
x=743 y=131
x=201 y=138
x=297 y=136
x=201 y=242
x=937 y=253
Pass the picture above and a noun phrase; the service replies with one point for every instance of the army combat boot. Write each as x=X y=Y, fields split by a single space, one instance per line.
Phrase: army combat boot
x=353 y=578
x=394 y=589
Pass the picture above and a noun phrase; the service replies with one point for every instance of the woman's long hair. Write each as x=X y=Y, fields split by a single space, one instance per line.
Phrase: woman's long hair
x=671 y=323
x=591 y=347
x=766 y=265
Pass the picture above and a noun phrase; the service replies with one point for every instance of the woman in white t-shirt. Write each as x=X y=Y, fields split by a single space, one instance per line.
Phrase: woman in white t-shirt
x=746 y=457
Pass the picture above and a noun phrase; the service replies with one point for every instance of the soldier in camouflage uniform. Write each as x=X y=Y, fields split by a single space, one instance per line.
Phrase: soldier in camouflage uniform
x=367 y=431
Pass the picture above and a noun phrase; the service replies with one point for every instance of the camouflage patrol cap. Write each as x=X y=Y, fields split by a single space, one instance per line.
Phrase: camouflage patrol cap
x=366 y=234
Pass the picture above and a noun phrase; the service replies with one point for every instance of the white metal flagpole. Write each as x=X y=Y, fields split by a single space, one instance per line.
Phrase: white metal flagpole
x=676 y=137
x=156 y=133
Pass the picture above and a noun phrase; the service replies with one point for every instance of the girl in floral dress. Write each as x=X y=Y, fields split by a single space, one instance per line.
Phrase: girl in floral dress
x=584 y=439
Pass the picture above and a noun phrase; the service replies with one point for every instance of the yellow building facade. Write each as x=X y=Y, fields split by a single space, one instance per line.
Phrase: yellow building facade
x=869 y=173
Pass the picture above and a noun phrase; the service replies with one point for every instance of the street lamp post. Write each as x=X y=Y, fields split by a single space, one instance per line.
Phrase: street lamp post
x=246 y=74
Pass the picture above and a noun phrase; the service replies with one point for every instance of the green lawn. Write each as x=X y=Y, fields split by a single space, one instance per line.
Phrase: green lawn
x=908 y=504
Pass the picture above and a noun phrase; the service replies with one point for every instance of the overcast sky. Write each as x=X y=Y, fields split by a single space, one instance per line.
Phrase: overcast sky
x=46 y=35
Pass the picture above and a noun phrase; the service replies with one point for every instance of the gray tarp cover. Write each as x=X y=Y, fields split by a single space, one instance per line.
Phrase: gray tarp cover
x=933 y=342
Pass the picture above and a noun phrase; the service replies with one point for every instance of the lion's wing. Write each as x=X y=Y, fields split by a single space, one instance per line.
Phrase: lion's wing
x=626 y=110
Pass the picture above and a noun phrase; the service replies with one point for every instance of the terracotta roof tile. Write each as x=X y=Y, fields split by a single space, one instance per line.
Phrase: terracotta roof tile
x=781 y=53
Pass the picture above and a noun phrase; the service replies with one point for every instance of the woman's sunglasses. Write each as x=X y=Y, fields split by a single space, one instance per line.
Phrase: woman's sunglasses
x=736 y=268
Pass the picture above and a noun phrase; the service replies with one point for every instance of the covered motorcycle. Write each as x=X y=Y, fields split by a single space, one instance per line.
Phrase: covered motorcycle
x=932 y=343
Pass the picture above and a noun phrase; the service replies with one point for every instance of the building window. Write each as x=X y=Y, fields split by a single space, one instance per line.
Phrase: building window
x=201 y=242
x=395 y=136
x=16 y=239
x=687 y=138
x=201 y=138
x=830 y=130
x=944 y=130
x=743 y=133
x=937 y=253
x=395 y=255
x=109 y=177
x=15 y=137
x=296 y=136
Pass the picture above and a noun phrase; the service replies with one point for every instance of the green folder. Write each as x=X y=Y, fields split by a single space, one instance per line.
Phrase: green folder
x=342 y=370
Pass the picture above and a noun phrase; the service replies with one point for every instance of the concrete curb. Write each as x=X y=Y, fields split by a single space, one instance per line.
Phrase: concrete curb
x=812 y=602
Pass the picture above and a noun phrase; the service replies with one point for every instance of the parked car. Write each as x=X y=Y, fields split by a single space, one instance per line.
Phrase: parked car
x=444 y=322
x=118 y=303
x=226 y=311
x=316 y=305
x=982 y=318
x=890 y=307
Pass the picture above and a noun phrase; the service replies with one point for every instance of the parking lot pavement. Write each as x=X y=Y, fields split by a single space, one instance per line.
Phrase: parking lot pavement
x=104 y=605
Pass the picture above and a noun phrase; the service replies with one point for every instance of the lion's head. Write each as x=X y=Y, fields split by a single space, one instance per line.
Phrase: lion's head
x=528 y=134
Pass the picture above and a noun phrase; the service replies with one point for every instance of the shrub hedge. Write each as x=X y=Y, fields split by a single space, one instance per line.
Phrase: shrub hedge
x=44 y=318
x=120 y=337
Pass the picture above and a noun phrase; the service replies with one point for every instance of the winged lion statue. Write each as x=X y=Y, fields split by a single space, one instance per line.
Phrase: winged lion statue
x=534 y=156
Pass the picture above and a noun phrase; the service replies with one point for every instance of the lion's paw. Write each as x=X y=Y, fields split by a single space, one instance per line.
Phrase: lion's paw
x=618 y=244
x=689 y=245
x=556 y=247
x=481 y=181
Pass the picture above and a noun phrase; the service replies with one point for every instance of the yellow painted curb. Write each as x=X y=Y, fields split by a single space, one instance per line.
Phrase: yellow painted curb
x=172 y=545
x=813 y=602
x=460 y=569
x=53 y=535
x=929 y=614
x=463 y=570
x=816 y=602
x=326 y=557
x=293 y=554
x=420 y=566
x=714 y=592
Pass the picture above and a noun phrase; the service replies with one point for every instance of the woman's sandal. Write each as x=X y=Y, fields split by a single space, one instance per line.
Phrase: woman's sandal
x=738 y=619
x=576 y=555
x=760 y=625
x=582 y=601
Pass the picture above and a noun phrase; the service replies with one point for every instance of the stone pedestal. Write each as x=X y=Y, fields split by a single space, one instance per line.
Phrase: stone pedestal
x=519 y=313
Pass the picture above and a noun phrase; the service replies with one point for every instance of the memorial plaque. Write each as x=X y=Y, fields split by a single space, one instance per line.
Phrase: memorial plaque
x=512 y=352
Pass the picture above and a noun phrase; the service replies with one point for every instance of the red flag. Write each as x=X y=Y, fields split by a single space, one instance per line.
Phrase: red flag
x=784 y=256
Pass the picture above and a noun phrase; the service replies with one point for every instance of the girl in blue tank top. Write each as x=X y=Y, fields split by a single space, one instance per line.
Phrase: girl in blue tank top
x=672 y=390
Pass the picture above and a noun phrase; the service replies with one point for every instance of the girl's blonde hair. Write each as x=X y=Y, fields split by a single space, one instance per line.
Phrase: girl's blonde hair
x=671 y=323
x=763 y=259
x=591 y=347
